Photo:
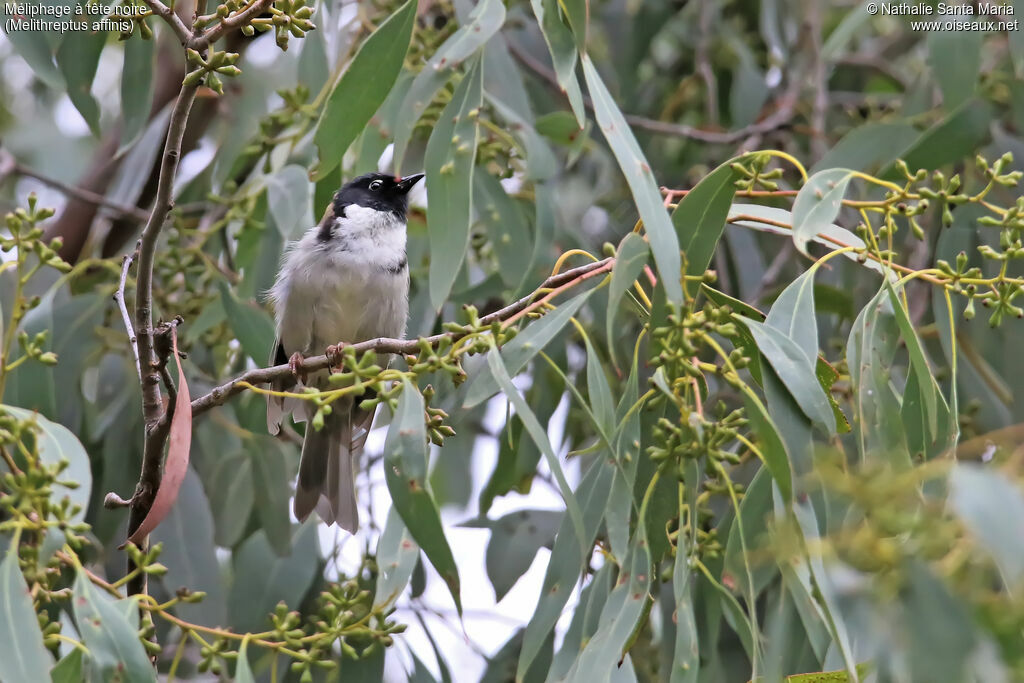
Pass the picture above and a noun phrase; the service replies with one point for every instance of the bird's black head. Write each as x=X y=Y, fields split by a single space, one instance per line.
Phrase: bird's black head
x=378 y=191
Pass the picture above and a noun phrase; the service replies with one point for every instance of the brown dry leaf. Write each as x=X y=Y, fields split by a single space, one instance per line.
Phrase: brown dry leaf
x=176 y=466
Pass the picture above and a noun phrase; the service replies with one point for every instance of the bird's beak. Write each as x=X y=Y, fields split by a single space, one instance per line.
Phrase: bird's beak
x=406 y=183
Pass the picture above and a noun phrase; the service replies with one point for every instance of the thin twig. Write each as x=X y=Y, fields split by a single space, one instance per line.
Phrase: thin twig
x=173 y=20
x=220 y=395
x=16 y=168
x=779 y=118
x=155 y=419
x=255 y=8
x=126 y=265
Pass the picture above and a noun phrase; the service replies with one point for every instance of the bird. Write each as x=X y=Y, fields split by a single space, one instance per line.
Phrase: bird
x=346 y=280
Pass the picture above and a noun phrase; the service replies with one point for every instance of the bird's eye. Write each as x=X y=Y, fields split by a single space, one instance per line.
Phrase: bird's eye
x=376 y=185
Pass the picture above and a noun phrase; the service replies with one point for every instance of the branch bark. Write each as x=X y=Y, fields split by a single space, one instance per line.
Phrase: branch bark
x=126 y=265
x=221 y=394
x=155 y=418
x=212 y=35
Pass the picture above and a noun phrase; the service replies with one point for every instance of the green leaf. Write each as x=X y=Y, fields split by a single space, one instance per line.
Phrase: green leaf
x=584 y=622
x=868 y=146
x=870 y=350
x=938 y=627
x=752 y=567
x=820 y=584
x=793 y=314
x=133 y=171
x=68 y=669
x=405 y=471
x=955 y=60
x=958 y=135
x=523 y=347
x=363 y=87
x=115 y=652
x=830 y=236
x=55 y=443
x=515 y=540
x=232 y=506
x=501 y=667
x=262 y=579
x=290 y=201
x=271 y=478
x=484 y=21
x=818 y=203
x=540 y=437
x=602 y=406
x=929 y=390
x=252 y=325
x=506 y=224
x=771 y=445
x=626 y=605
x=749 y=89
x=561 y=44
x=23 y=657
x=795 y=370
x=577 y=13
x=243 y=673
x=700 y=216
x=686 y=647
x=35 y=47
x=77 y=57
x=136 y=88
x=396 y=557
x=189 y=553
x=992 y=507
x=640 y=180
x=565 y=563
x=451 y=151
x=629 y=263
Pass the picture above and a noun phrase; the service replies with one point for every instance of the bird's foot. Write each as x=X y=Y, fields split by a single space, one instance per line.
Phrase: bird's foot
x=296 y=364
x=334 y=357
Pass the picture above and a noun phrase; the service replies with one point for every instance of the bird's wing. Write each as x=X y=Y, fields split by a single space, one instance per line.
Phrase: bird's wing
x=276 y=405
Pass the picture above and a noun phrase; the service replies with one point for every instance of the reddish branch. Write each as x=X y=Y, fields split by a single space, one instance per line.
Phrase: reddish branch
x=556 y=283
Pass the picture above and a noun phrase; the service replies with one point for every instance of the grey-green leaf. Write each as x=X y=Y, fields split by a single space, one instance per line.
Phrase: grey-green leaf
x=629 y=263
x=252 y=325
x=451 y=151
x=515 y=540
x=700 y=217
x=640 y=180
x=115 y=652
x=795 y=370
x=625 y=606
x=290 y=201
x=136 y=88
x=818 y=203
x=396 y=557
x=523 y=347
x=262 y=579
x=405 y=471
x=23 y=657
x=362 y=88
x=56 y=442
x=992 y=507
x=483 y=22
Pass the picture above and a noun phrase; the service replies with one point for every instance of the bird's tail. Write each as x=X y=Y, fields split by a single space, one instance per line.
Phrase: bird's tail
x=327 y=473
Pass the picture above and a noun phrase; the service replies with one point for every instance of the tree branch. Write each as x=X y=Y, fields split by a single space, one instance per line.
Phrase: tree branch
x=7 y=160
x=173 y=20
x=157 y=426
x=221 y=394
x=126 y=265
x=212 y=35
